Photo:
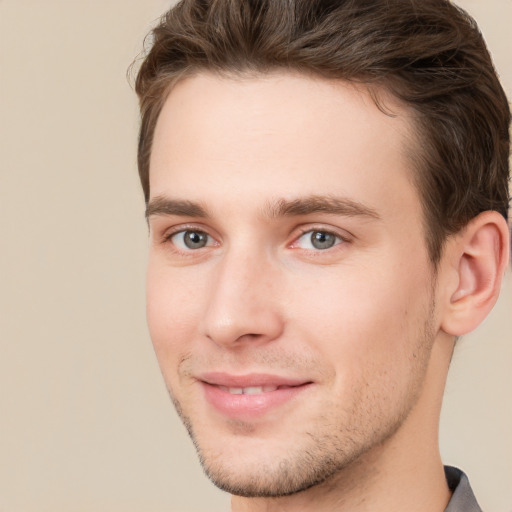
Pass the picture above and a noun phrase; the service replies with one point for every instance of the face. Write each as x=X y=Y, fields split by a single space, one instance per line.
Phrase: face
x=289 y=287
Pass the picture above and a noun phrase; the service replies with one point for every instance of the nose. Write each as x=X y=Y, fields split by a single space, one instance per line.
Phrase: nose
x=242 y=305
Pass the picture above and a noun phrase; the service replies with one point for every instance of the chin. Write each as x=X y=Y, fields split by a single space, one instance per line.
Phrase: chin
x=244 y=465
x=272 y=479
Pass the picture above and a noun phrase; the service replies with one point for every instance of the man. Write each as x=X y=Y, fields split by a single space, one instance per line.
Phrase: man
x=326 y=189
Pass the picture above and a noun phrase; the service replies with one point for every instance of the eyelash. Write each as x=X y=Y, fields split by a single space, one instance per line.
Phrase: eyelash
x=167 y=238
x=310 y=230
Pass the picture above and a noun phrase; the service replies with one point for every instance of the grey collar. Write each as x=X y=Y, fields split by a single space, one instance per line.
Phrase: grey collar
x=463 y=499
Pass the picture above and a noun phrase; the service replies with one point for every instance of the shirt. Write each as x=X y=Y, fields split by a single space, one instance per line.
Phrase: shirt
x=463 y=499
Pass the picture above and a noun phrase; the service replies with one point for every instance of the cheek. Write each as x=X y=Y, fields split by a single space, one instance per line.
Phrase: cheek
x=172 y=315
x=362 y=317
x=372 y=336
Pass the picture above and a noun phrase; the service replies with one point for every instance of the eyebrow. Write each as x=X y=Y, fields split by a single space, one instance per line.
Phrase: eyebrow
x=320 y=204
x=273 y=209
x=166 y=206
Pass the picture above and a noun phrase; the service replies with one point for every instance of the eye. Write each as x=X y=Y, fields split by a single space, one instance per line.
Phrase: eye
x=317 y=240
x=190 y=240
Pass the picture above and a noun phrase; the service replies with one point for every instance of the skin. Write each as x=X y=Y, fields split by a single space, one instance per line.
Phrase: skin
x=255 y=165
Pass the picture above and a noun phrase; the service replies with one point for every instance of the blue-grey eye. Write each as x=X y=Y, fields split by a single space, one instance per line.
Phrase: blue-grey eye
x=190 y=240
x=319 y=240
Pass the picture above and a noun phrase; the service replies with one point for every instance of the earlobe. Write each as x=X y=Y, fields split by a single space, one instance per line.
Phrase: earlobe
x=480 y=257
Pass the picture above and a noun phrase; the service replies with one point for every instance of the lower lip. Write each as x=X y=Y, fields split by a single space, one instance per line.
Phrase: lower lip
x=246 y=407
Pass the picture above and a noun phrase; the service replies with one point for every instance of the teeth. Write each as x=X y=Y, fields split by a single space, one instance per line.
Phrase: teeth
x=253 y=390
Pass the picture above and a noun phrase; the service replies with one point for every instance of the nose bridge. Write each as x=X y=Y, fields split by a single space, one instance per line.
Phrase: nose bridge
x=242 y=303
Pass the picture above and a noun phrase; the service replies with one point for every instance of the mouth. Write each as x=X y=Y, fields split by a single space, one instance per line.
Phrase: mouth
x=249 y=397
x=252 y=390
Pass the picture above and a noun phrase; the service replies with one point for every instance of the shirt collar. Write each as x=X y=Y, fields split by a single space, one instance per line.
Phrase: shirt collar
x=463 y=499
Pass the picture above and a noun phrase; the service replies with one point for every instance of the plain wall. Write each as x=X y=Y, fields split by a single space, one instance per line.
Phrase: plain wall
x=85 y=421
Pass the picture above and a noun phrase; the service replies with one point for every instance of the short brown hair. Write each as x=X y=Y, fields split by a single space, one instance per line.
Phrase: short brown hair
x=428 y=53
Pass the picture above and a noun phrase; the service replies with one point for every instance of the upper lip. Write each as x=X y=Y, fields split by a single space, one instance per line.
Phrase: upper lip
x=249 y=380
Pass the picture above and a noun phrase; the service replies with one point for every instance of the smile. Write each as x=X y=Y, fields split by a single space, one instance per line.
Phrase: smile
x=250 y=397
x=252 y=390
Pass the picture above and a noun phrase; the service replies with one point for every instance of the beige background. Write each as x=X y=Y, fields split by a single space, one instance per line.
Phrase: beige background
x=85 y=422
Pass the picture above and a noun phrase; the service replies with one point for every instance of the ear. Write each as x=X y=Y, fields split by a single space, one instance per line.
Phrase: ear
x=478 y=259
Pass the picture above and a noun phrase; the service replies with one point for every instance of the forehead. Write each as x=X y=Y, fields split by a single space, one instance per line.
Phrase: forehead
x=279 y=134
